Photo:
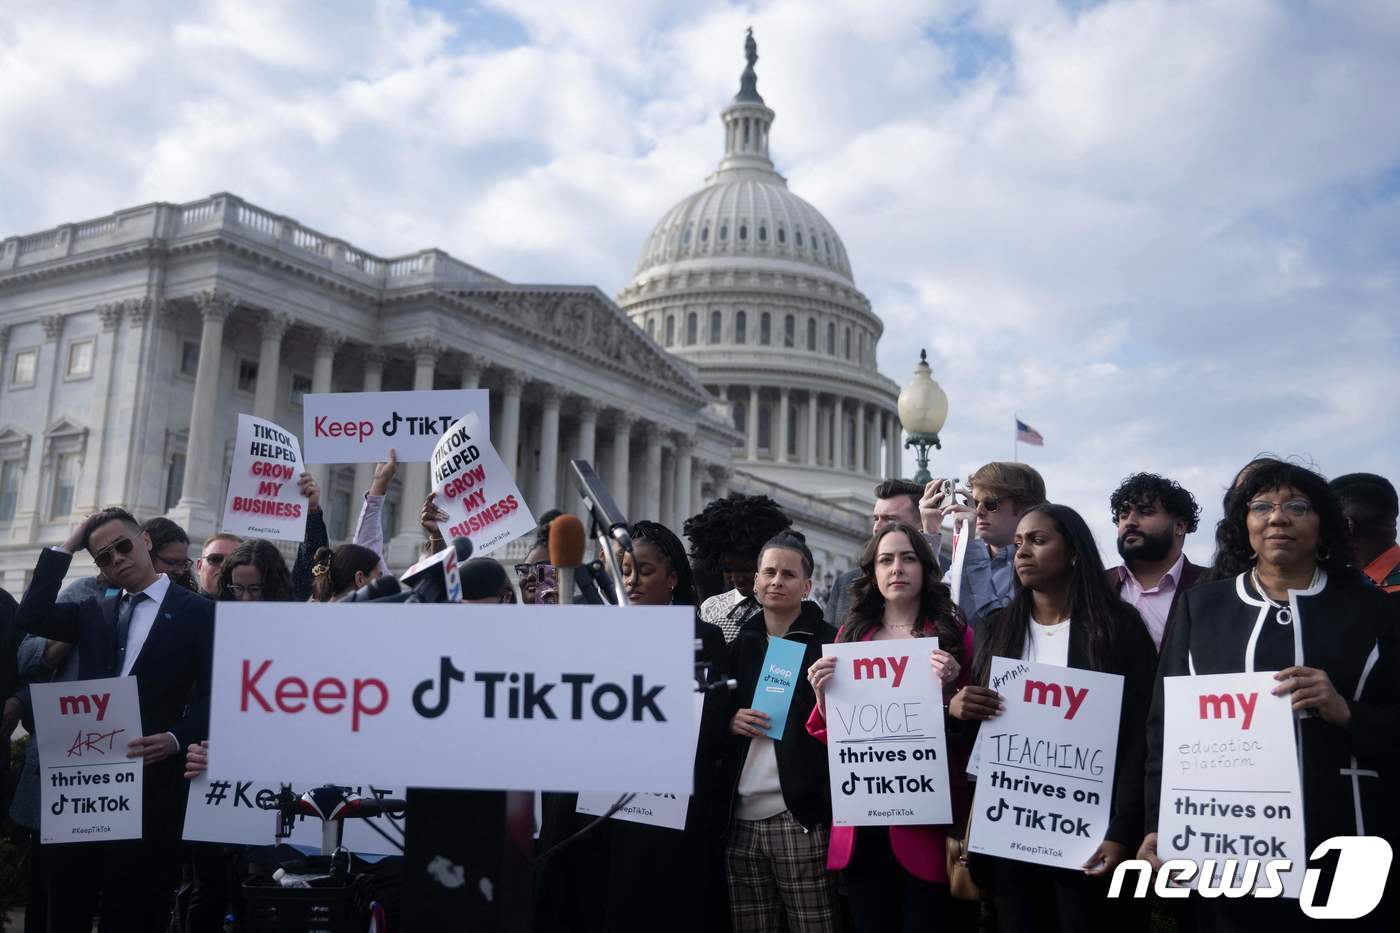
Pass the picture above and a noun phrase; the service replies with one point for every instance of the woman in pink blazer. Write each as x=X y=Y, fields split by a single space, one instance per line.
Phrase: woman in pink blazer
x=896 y=877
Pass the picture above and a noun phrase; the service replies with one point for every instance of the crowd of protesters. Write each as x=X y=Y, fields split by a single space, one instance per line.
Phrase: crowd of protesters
x=1302 y=582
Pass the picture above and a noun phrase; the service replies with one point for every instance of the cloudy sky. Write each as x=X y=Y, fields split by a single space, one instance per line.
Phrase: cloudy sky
x=1166 y=233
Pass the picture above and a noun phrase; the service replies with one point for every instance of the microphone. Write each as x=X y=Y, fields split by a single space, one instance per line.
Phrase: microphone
x=385 y=587
x=566 y=545
x=435 y=579
x=600 y=503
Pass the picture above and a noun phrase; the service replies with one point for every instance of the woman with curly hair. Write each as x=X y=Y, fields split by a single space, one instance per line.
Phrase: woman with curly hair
x=1297 y=608
x=897 y=877
x=339 y=572
x=728 y=534
x=256 y=572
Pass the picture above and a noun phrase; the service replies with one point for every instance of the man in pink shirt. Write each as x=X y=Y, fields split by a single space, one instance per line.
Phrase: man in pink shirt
x=1154 y=515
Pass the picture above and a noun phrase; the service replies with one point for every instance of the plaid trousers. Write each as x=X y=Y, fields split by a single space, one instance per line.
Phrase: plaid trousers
x=777 y=869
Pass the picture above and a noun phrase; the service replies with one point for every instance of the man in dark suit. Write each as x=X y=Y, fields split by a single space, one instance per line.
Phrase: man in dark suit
x=1154 y=515
x=163 y=635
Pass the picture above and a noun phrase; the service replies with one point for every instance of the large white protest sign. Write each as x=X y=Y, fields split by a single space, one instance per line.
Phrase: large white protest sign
x=431 y=695
x=90 y=790
x=1230 y=786
x=235 y=813
x=263 y=498
x=1045 y=779
x=360 y=427
x=667 y=810
x=475 y=489
x=885 y=737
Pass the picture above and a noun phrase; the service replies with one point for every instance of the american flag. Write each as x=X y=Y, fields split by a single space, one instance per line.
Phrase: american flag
x=1028 y=435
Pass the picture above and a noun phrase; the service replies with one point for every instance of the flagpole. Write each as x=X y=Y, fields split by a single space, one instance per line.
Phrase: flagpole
x=1016 y=438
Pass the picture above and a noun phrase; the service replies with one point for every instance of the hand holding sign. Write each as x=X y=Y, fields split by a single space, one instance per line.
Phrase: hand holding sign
x=153 y=748
x=975 y=703
x=749 y=722
x=1311 y=688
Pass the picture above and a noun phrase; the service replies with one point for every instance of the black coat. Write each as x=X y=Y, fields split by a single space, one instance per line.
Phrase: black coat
x=1350 y=630
x=174 y=668
x=1134 y=657
x=802 y=766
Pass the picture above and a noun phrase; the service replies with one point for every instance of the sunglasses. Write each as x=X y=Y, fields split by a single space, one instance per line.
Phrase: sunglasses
x=104 y=557
x=989 y=504
x=179 y=565
x=531 y=571
x=213 y=560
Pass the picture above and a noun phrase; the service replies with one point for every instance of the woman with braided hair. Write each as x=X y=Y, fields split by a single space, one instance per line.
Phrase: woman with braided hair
x=729 y=533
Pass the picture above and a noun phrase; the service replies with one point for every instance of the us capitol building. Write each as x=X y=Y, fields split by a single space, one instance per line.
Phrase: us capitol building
x=741 y=356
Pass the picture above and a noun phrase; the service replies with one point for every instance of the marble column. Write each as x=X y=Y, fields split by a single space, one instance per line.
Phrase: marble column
x=859 y=465
x=811 y=429
x=897 y=450
x=512 y=386
x=471 y=371
x=685 y=494
x=546 y=488
x=651 y=474
x=697 y=491
x=373 y=357
x=782 y=438
x=415 y=485
x=619 y=479
x=274 y=328
x=322 y=371
x=585 y=448
x=194 y=511
x=751 y=426
x=838 y=434
x=666 y=513
x=85 y=500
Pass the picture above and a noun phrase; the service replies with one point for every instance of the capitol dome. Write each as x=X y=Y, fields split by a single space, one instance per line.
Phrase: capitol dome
x=752 y=286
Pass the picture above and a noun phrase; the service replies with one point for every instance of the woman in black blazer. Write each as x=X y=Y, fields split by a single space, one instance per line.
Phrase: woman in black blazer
x=1063 y=612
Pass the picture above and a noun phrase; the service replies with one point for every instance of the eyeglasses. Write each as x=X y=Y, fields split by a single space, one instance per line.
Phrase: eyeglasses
x=179 y=565
x=531 y=571
x=213 y=560
x=104 y=557
x=1293 y=508
x=238 y=590
x=989 y=504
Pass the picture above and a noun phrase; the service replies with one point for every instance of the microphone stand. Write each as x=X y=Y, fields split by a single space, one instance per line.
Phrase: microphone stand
x=610 y=561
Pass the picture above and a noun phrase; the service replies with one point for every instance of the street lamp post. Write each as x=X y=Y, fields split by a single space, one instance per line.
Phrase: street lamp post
x=923 y=408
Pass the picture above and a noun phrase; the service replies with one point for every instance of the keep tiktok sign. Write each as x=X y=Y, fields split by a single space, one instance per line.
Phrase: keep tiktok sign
x=886 y=743
x=471 y=697
x=1045 y=781
x=1230 y=787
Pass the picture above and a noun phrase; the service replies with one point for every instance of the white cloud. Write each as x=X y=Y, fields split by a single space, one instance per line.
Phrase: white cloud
x=1163 y=232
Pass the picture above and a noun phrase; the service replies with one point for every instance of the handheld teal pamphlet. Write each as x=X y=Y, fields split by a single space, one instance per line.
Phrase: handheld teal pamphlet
x=782 y=665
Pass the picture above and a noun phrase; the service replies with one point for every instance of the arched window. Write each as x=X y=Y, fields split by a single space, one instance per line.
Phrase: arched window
x=765 y=427
x=743 y=231
x=765 y=329
x=798 y=234
x=705 y=234
x=716 y=326
x=789 y=331
x=687 y=235
x=860 y=346
x=814 y=242
x=848 y=343
x=651 y=327
x=724 y=231
x=670 y=329
x=782 y=236
x=692 y=328
x=741 y=416
x=762 y=233
x=812 y=334
x=741 y=326
x=831 y=338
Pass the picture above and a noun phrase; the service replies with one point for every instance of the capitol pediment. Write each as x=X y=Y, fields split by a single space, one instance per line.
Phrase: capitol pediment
x=583 y=321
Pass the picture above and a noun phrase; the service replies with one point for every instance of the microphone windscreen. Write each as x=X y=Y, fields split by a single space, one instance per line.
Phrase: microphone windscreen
x=463 y=547
x=566 y=541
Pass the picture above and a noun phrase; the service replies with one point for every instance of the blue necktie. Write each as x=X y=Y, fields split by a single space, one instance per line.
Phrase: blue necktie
x=126 y=606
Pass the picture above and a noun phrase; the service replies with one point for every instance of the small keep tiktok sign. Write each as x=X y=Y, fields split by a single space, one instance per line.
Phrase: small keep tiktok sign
x=90 y=790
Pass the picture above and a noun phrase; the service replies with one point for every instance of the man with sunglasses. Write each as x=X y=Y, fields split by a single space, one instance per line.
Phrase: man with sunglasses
x=998 y=493
x=211 y=561
x=163 y=636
